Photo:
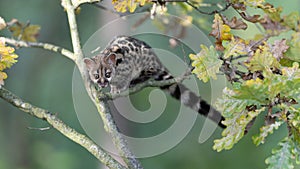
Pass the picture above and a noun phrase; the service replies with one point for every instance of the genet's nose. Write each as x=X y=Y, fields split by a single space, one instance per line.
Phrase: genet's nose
x=102 y=82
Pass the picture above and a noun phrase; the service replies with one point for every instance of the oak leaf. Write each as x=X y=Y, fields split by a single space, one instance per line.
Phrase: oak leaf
x=235 y=47
x=26 y=32
x=235 y=23
x=127 y=5
x=279 y=48
x=206 y=63
x=220 y=31
x=253 y=19
x=7 y=59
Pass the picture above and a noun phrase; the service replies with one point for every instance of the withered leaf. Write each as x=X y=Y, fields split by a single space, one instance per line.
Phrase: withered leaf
x=234 y=23
x=270 y=24
x=253 y=19
x=26 y=32
x=239 y=6
x=278 y=48
x=220 y=31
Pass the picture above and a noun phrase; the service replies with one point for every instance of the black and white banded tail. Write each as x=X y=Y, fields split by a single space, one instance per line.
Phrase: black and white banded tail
x=190 y=99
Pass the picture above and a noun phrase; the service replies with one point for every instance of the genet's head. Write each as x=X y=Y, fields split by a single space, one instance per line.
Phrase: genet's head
x=101 y=69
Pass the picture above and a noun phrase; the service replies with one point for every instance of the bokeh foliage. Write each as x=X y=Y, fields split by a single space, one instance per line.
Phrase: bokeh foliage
x=265 y=85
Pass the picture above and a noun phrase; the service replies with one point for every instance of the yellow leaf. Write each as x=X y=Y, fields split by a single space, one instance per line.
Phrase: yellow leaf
x=127 y=5
x=7 y=59
x=206 y=63
x=6 y=50
x=263 y=60
x=235 y=47
x=253 y=82
x=193 y=56
x=3 y=76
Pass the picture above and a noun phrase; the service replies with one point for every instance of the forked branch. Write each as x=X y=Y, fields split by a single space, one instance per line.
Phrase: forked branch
x=60 y=126
x=102 y=107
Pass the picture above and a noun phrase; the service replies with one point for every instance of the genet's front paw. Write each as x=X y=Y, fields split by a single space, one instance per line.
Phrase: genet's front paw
x=117 y=90
x=114 y=90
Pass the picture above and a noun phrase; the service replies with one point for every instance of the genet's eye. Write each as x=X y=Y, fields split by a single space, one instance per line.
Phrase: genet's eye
x=96 y=76
x=107 y=74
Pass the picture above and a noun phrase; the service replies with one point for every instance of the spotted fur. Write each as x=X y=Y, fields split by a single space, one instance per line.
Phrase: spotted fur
x=127 y=61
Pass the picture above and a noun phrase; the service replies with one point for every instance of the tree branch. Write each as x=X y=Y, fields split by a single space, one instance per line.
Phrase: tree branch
x=47 y=46
x=67 y=131
x=163 y=2
x=70 y=9
x=103 y=108
x=148 y=83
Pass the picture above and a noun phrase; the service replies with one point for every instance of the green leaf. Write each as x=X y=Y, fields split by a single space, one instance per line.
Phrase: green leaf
x=253 y=90
x=294 y=48
x=263 y=60
x=296 y=151
x=282 y=156
x=206 y=63
x=273 y=13
x=264 y=132
x=290 y=81
x=237 y=116
x=293 y=121
x=291 y=20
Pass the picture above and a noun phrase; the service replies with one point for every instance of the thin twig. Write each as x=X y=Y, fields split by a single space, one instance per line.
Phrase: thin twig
x=47 y=46
x=39 y=128
x=239 y=57
x=60 y=126
x=163 y=2
x=208 y=13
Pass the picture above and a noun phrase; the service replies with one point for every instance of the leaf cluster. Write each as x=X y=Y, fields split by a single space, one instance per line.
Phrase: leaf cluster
x=26 y=32
x=129 y=5
x=7 y=59
x=264 y=75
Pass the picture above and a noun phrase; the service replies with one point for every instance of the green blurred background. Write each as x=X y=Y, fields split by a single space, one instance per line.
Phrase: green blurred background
x=45 y=79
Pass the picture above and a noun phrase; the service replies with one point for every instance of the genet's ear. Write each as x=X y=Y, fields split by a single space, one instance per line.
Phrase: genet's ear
x=112 y=59
x=88 y=63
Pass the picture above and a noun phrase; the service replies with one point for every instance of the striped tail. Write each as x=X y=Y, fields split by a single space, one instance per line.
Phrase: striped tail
x=190 y=99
